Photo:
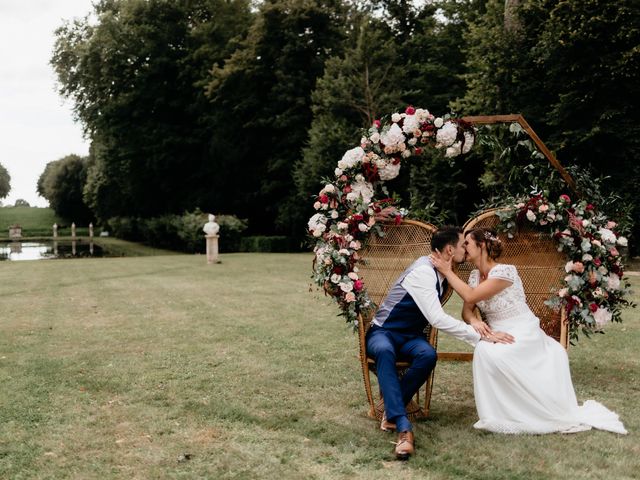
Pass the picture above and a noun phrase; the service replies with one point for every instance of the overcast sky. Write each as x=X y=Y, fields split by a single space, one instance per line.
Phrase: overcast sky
x=36 y=125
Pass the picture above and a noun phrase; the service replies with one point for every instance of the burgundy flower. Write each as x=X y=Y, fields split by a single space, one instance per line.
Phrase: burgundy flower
x=410 y=110
x=377 y=123
x=593 y=307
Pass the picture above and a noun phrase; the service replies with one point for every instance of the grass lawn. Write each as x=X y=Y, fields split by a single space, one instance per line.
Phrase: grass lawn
x=34 y=221
x=164 y=367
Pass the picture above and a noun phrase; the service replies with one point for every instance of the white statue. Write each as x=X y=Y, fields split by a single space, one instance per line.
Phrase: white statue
x=211 y=227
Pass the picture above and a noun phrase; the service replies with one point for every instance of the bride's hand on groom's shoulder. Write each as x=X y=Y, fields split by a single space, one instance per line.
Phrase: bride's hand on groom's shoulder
x=443 y=266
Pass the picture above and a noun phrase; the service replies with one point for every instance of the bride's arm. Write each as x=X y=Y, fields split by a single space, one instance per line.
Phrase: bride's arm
x=484 y=291
x=469 y=316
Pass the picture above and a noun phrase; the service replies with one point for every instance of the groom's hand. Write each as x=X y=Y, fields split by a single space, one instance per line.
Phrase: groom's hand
x=499 y=337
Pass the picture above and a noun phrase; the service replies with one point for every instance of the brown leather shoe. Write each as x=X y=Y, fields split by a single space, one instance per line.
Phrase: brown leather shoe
x=404 y=447
x=386 y=425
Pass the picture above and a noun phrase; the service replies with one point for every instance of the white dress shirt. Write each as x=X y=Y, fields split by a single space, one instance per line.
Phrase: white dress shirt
x=421 y=285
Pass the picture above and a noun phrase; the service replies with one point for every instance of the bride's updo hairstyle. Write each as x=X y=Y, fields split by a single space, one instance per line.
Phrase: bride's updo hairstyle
x=490 y=240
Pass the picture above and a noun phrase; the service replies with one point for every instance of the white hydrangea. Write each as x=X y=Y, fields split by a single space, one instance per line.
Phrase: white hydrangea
x=393 y=136
x=469 y=139
x=454 y=150
x=607 y=235
x=410 y=124
x=361 y=187
x=446 y=135
x=351 y=158
x=613 y=282
x=389 y=172
x=602 y=316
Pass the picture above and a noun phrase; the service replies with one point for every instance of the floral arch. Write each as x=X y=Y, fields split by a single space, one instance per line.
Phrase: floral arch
x=347 y=207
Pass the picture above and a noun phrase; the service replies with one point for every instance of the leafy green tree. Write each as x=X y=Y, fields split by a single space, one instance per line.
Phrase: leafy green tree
x=62 y=183
x=136 y=77
x=21 y=202
x=262 y=95
x=5 y=182
x=356 y=89
x=571 y=67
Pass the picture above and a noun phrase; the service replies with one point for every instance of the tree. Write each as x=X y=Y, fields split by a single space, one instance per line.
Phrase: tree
x=571 y=68
x=21 y=202
x=5 y=182
x=262 y=96
x=62 y=183
x=356 y=89
x=136 y=77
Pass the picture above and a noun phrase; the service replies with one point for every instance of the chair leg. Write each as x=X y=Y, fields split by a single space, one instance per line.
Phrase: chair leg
x=366 y=376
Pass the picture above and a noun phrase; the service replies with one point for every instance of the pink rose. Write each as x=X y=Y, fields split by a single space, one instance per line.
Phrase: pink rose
x=611 y=224
x=377 y=123
x=565 y=198
x=614 y=252
x=578 y=267
x=350 y=297
x=410 y=110
x=357 y=285
x=324 y=198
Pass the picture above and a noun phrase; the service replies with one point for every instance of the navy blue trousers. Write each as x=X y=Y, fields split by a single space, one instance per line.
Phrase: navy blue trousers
x=387 y=346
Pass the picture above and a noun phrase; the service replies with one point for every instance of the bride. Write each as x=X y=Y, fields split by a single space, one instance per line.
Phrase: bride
x=523 y=387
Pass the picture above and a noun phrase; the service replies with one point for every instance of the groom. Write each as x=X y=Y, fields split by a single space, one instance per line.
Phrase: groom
x=397 y=330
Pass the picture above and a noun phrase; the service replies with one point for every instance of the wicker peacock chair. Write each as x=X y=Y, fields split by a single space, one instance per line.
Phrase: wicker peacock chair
x=384 y=259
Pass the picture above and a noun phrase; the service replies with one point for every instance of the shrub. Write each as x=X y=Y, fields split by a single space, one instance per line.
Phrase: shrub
x=276 y=243
x=179 y=232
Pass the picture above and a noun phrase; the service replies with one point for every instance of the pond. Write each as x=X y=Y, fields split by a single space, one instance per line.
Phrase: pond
x=42 y=250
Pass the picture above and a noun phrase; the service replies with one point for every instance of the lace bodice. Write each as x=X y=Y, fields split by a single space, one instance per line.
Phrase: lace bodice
x=507 y=303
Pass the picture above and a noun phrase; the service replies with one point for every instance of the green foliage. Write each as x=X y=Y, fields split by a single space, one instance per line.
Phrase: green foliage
x=179 y=232
x=263 y=94
x=62 y=183
x=21 y=202
x=264 y=243
x=136 y=78
x=571 y=68
x=356 y=88
x=5 y=182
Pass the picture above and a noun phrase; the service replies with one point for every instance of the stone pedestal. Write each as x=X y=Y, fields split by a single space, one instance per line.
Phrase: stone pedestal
x=212 y=249
x=15 y=231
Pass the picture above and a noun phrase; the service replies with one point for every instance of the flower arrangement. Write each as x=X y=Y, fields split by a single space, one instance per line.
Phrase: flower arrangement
x=349 y=206
x=594 y=290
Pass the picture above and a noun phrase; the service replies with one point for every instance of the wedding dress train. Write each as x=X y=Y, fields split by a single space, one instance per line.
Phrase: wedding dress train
x=526 y=387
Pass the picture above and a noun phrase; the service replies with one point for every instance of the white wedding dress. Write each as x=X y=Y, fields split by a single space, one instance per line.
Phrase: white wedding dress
x=526 y=387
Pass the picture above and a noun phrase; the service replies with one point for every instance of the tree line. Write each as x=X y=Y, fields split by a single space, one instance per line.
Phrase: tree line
x=241 y=108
